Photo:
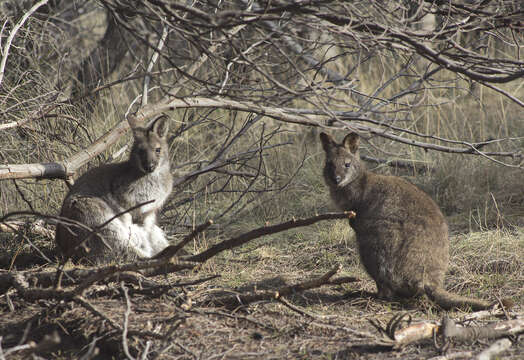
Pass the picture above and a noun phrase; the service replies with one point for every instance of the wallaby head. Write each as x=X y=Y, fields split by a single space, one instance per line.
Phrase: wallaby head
x=150 y=149
x=343 y=164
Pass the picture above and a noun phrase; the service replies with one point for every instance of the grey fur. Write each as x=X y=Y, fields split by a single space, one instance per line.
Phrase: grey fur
x=401 y=233
x=105 y=191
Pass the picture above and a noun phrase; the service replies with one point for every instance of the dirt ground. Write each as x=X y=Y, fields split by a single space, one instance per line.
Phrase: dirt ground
x=196 y=314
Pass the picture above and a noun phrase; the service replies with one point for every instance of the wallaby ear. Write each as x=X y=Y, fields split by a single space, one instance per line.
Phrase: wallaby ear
x=351 y=142
x=160 y=126
x=327 y=141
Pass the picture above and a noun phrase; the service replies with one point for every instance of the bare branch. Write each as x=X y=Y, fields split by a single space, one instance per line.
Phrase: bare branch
x=12 y=34
x=450 y=330
x=34 y=228
x=245 y=299
x=151 y=64
x=126 y=323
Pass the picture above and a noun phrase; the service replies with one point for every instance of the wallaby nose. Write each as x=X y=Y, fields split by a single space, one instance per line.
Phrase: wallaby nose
x=338 y=178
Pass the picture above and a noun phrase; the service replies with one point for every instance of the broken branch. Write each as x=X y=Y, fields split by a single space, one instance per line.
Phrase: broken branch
x=450 y=330
x=245 y=299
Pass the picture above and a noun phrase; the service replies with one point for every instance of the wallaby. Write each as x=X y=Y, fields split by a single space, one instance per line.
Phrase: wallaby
x=105 y=191
x=401 y=233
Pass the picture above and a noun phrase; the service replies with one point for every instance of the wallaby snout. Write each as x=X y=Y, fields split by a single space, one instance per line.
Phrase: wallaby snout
x=147 y=159
x=335 y=173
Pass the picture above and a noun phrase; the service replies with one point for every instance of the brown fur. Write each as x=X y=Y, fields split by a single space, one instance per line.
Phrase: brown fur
x=401 y=234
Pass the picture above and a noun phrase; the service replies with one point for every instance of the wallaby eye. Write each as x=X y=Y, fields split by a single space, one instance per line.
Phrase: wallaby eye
x=348 y=164
x=157 y=150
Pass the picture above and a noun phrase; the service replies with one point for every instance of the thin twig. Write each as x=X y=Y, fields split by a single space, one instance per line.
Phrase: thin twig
x=245 y=299
x=151 y=64
x=126 y=323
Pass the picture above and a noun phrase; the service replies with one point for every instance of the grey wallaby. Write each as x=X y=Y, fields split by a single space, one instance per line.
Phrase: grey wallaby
x=401 y=233
x=105 y=191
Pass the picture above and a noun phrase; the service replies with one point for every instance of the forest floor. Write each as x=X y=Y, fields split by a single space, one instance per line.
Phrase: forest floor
x=196 y=314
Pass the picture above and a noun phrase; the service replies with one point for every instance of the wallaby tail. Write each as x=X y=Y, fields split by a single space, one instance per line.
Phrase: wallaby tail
x=447 y=300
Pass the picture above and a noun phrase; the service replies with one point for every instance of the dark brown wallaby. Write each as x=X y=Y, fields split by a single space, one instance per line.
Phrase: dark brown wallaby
x=402 y=236
x=103 y=192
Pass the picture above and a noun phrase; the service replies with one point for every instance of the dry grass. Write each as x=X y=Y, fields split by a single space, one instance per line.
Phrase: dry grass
x=483 y=264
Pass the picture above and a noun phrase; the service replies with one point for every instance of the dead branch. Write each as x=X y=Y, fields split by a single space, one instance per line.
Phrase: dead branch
x=399 y=337
x=126 y=323
x=91 y=276
x=92 y=351
x=151 y=64
x=414 y=333
x=496 y=311
x=361 y=334
x=391 y=34
x=144 y=354
x=12 y=34
x=451 y=331
x=156 y=290
x=288 y=116
x=296 y=309
x=68 y=167
x=395 y=164
x=266 y=230
x=245 y=299
x=152 y=267
x=46 y=279
x=95 y=311
x=34 y=228
x=48 y=343
x=448 y=329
